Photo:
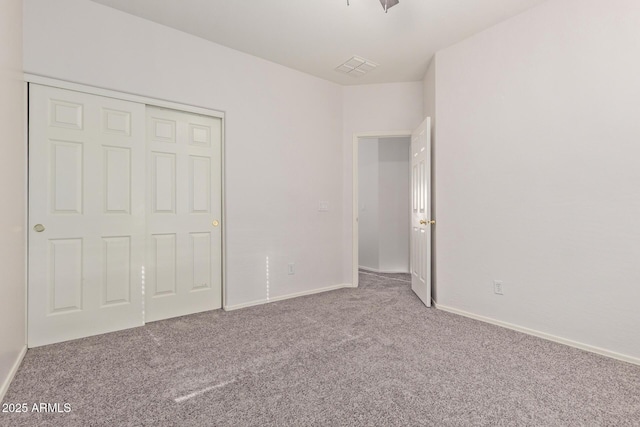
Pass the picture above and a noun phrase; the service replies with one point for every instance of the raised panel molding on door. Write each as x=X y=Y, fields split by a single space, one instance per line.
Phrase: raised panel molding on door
x=184 y=263
x=86 y=214
x=125 y=203
x=421 y=212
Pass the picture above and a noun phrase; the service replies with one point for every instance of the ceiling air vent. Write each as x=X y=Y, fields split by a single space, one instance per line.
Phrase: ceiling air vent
x=356 y=66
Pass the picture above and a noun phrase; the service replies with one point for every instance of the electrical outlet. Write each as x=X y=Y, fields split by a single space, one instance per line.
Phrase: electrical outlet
x=323 y=207
x=497 y=287
x=291 y=268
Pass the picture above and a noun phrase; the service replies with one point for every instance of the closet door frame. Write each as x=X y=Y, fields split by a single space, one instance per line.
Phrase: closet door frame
x=154 y=102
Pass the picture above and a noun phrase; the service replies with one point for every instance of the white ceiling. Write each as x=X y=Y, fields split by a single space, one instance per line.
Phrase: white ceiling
x=315 y=36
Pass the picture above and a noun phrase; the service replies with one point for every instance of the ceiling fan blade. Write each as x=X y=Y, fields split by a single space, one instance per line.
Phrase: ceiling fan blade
x=386 y=4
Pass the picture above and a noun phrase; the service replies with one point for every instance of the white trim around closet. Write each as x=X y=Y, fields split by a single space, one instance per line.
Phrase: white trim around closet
x=63 y=84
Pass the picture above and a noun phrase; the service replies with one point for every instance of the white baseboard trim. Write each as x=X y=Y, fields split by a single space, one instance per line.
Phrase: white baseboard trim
x=12 y=373
x=284 y=297
x=543 y=335
x=373 y=270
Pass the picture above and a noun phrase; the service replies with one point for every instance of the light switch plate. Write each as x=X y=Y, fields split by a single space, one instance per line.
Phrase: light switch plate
x=323 y=207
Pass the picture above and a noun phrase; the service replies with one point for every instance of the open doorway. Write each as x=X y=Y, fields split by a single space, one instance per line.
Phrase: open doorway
x=418 y=206
x=382 y=200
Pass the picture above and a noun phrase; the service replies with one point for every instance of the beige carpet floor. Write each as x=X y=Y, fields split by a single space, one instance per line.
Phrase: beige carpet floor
x=372 y=356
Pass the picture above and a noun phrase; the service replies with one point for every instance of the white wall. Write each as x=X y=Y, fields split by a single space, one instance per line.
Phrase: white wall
x=12 y=192
x=372 y=108
x=538 y=181
x=429 y=92
x=369 y=204
x=283 y=133
x=383 y=201
x=394 y=203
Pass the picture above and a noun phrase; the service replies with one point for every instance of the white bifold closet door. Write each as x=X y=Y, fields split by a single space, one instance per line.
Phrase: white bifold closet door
x=184 y=207
x=86 y=215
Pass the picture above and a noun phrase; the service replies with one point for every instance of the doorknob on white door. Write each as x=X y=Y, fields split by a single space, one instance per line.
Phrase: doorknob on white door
x=423 y=222
x=39 y=228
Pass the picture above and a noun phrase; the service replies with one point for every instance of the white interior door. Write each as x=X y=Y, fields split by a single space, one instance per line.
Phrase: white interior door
x=421 y=212
x=184 y=207
x=86 y=214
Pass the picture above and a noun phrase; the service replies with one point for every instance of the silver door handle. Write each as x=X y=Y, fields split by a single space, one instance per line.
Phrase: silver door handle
x=39 y=228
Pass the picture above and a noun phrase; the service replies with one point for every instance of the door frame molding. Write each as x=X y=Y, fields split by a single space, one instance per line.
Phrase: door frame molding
x=354 y=191
x=125 y=96
x=149 y=101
